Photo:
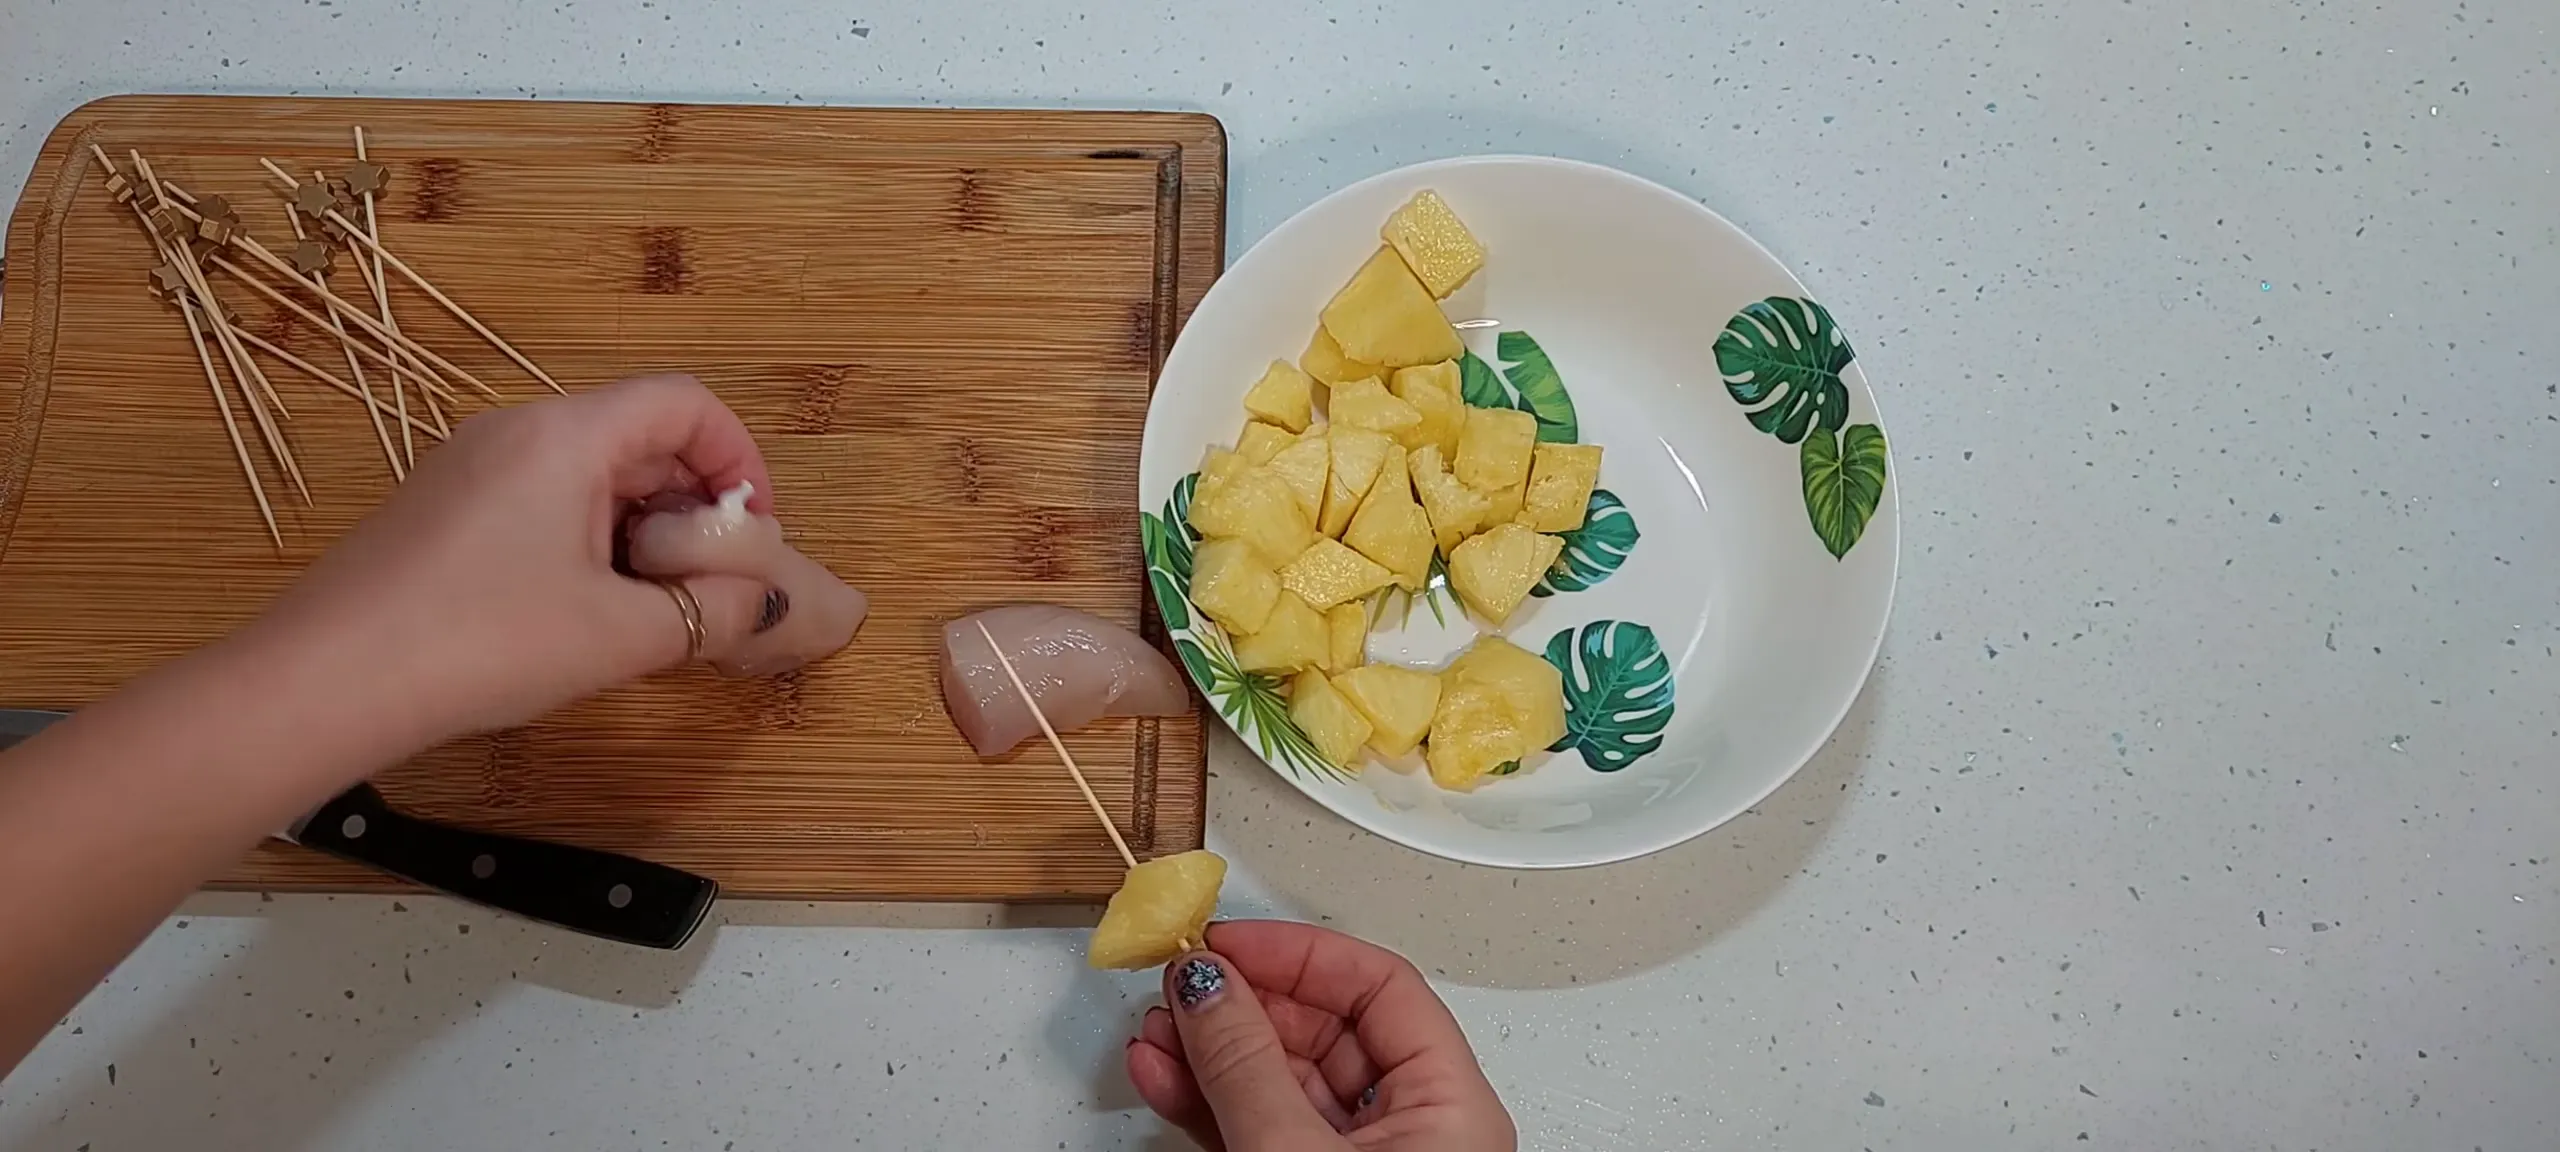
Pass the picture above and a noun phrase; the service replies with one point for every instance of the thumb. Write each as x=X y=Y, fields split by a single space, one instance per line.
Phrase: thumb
x=1236 y=1057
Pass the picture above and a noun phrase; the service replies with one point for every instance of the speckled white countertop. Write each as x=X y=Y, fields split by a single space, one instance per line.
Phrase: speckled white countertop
x=2203 y=797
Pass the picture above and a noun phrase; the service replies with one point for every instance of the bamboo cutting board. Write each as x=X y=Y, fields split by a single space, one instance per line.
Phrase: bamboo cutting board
x=941 y=325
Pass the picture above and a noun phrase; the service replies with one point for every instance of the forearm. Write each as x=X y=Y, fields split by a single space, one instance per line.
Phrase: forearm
x=109 y=819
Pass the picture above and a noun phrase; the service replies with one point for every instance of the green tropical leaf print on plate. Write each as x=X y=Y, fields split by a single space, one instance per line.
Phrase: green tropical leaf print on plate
x=1533 y=377
x=1788 y=353
x=1528 y=381
x=1169 y=599
x=1166 y=540
x=1595 y=550
x=1178 y=538
x=1843 y=482
x=1251 y=700
x=1617 y=692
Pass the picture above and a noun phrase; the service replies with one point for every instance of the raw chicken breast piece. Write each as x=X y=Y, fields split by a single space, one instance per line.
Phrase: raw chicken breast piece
x=1080 y=667
x=681 y=536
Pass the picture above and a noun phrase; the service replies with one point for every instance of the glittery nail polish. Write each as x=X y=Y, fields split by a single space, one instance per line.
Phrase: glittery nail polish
x=777 y=604
x=1199 y=981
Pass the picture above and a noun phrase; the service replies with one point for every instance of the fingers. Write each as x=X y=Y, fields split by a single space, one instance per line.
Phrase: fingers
x=653 y=421
x=1326 y=1042
x=1176 y=1096
x=1165 y=1083
x=648 y=617
x=1391 y=1007
x=1236 y=1057
x=1156 y=1028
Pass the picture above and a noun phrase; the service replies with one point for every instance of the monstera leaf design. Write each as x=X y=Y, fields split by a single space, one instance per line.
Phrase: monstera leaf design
x=1787 y=353
x=1167 y=541
x=1617 y=692
x=1528 y=382
x=1252 y=700
x=1595 y=550
x=1843 y=482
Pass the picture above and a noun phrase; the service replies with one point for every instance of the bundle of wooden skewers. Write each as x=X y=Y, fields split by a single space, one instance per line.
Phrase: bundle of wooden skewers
x=406 y=388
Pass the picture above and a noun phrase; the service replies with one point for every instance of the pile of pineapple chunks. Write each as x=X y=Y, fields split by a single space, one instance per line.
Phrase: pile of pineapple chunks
x=1310 y=518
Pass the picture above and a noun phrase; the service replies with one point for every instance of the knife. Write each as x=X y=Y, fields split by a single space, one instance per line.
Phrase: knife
x=584 y=890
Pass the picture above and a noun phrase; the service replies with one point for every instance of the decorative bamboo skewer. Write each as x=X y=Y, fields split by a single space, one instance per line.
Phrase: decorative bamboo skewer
x=230 y=426
x=400 y=387
x=249 y=378
x=160 y=191
x=322 y=375
x=400 y=266
x=346 y=347
x=288 y=303
x=372 y=174
x=212 y=379
x=423 y=357
x=1061 y=748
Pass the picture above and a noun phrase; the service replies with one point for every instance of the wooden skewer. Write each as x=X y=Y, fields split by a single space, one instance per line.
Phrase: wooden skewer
x=372 y=272
x=402 y=267
x=418 y=354
x=1060 y=746
x=212 y=378
x=322 y=375
x=261 y=287
x=230 y=426
x=249 y=377
x=161 y=191
x=356 y=367
x=410 y=349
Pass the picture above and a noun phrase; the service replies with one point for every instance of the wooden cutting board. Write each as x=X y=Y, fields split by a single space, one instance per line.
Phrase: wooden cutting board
x=941 y=325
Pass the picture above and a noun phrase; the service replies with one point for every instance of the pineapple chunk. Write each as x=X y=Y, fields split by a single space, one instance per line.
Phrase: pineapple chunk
x=1503 y=504
x=1392 y=529
x=1560 y=480
x=1303 y=466
x=1472 y=733
x=1163 y=905
x=1358 y=453
x=1349 y=626
x=1329 y=573
x=1433 y=391
x=1386 y=317
x=1439 y=249
x=1367 y=404
x=1337 y=729
x=1493 y=450
x=1529 y=686
x=1394 y=480
x=1293 y=637
x=1259 y=442
x=1399 y=703
x=1494 y=571
x=1455 y=509
x=1253 y=503
x=1324 y=360
x=1231 y=584
x=1218 y=466
x=1284 y=396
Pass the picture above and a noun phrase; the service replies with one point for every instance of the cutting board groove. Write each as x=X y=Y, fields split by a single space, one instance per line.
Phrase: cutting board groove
x=942 y=326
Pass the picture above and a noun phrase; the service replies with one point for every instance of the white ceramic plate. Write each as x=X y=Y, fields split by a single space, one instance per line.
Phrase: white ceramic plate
x=1720 y=610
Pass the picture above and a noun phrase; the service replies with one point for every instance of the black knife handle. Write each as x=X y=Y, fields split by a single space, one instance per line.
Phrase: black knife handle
x=581 y=889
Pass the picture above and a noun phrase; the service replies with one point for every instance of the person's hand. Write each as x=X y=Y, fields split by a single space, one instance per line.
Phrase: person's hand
x=484 y=588
x=1294 y=1038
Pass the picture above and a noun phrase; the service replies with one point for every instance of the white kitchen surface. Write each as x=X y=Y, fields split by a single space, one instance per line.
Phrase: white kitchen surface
x=2204 y=796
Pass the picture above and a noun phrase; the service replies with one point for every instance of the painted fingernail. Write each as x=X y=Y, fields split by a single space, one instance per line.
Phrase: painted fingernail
x=1199 y=981
x=777 y=604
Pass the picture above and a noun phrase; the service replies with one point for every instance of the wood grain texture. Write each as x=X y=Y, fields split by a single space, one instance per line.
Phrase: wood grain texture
x=941 y=325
